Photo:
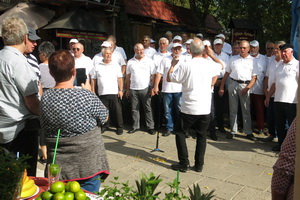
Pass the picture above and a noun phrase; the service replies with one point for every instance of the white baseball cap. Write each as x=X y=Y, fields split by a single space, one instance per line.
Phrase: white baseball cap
x=189 y=41
x=105 y=44
x=152 y=41
x=206 y=43
x=74 y=40
x=254 y=43
x=176 y=45
x=220 y=36
x=177 y=37
x=200 y=35
x=218 y=41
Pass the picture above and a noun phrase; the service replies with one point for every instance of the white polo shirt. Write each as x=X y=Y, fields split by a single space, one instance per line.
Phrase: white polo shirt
x=286 y=82
x=84 y=62
x=115 y=57
x=187 y=56
x=196 y=79
x=169 y=87
x=149 y=52
x=241 y=68
x=271 y=71
x=224 y=58
x=107 y=77
x=121 y=51
x=260 y=64
x=158 y=56
x=140 y=72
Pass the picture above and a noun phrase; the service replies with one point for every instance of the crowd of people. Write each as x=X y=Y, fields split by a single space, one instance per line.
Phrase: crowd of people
x=185 y=83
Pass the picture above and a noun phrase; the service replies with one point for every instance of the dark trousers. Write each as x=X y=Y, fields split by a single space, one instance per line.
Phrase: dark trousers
x=113 y=104
x=212 y=124
x=283 y=112
x=201 y=123
x=271 y=117
x=219 y=105
x=26 y=143
x=257 y=102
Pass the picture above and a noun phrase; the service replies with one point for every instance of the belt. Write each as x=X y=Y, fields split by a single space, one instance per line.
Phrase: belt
x=239 y=81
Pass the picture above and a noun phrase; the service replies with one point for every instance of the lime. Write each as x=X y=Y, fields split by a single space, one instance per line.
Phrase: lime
x=58 y=196
x=69 y=196
x=80 y=195
x=46 y=195
x=54 y=169
x=73 y=186
x=57 y=187
x=39 y=198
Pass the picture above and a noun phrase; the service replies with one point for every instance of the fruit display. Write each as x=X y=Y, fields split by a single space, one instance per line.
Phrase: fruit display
x=28 y=187
x=62 y=191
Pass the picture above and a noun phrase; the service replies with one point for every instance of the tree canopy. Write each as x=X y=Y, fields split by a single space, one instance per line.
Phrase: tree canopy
x=273 y=17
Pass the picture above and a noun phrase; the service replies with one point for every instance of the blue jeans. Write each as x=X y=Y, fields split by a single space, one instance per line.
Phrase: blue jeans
x=171 y=103
x=91 y=184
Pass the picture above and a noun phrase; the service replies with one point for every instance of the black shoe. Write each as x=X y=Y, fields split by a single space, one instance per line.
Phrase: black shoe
x=103 y=129
x=119 y=131
x=229 y=136
x=197 y=168
x=166 y=133
x=270 y=138
x=276 y=148
x=180 y=167
x=132 y=131
x=213 y=136
x=251 y=137
x=222 y=130
x=151 y=131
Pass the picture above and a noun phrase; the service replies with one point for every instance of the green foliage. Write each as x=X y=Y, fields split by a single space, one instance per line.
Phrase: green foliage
x=145 y=190
x=11 y=172
x=196 y=194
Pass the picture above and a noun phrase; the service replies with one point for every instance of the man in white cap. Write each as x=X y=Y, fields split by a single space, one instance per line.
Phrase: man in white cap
x=140 y=68
x=116 y=56
x=148 y=50
x=176 y=39
x=257 y=91
x=188 y=54
x=219 y=101
x=196 y=77
x=152 y=43
x=242 y=76
x=71 y=43
x=285 y=87
x=226 y=47
x=171 y=92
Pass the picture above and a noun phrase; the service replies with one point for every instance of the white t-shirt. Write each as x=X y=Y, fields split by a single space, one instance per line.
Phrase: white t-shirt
x=115 y=57
x=187 y=56
x=149 y=52
x=286 y=82
x=260 y=64
x=84 y=62
x=121 y=51
x=271 y=71
x=196 y=79
x=107 y=77
x=241 y=68
x=224 y=58
x=158 y=56
x=140 y=72
x=169 y=87
x=47 y=81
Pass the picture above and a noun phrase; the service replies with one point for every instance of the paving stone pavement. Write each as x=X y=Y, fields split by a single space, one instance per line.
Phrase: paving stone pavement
x=237 y=169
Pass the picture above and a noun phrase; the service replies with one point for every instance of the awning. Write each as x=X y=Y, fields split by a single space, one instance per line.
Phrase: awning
x=34 y=16
x=79 y=19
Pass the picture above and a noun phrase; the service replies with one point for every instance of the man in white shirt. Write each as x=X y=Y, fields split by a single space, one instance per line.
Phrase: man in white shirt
x=140 y=68
x=274 y=62
x=219 y=101
x=196 y=78
x=176 y=39
x=226 y=47
x=107 y=76
x=171 y=92
x=188 y=54
x=83 y=64
x=116 y=56
x=149 y=51
x=240 y=71
x=257 y=96
x=285 y=87
x=116 y=48
x=269 y=50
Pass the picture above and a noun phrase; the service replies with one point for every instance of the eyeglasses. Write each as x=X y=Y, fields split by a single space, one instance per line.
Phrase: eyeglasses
x=270 y=48
x=76 y=49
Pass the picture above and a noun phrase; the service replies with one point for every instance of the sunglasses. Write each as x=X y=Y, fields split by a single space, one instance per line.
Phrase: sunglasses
x=76 y=49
